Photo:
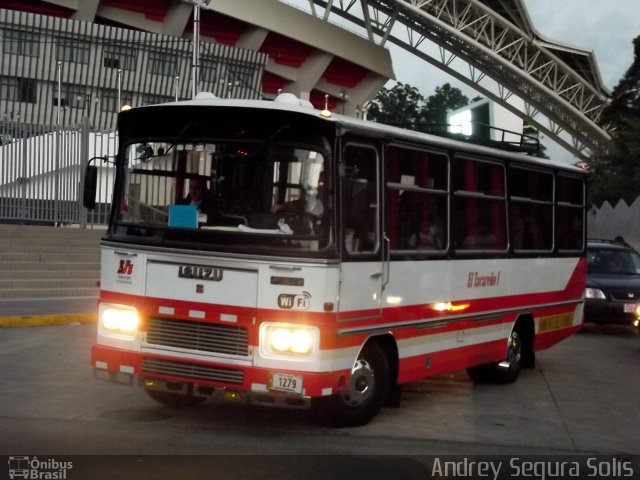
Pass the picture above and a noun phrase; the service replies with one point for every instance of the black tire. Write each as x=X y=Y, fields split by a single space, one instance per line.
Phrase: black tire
x=503 y=372
x=508 y=370
x=174 y=399
x=368 y=389
x=482 y=373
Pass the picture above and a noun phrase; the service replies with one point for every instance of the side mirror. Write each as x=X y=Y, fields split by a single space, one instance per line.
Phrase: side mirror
x=90 y=187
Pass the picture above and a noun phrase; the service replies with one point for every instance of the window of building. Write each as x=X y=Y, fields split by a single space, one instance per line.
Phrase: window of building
x=240 y=75
x=209 y=70
x=109 y=100
x=149 y=99
x=73 y=96
x=162 y=64
x=68 y=50
x=8 y=88
x=18 y=89
x=19 y=42
x=120 y=57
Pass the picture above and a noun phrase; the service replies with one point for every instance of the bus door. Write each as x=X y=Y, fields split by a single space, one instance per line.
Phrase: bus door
x=363 y=270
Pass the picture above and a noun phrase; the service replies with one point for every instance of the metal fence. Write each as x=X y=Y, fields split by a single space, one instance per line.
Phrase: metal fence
x=60 y=71
x=42 y=169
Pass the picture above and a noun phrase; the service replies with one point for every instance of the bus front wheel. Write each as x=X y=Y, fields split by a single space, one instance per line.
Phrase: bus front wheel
x=366 y=393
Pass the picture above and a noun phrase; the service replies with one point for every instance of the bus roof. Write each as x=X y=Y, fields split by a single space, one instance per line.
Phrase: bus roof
x=289 y=102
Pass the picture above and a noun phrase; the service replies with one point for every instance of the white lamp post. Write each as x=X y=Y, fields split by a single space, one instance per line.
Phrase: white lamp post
x=119 y=90
x=59 y=74
x=195 y=67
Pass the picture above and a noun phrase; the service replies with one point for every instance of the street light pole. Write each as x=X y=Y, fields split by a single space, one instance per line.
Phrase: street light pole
x=119 y=90
x=195 y=67
x=196 y=50
x=59 y=72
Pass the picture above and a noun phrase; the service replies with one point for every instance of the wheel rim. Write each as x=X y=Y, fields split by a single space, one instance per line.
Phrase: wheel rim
x=514 y=349
x=361 y=385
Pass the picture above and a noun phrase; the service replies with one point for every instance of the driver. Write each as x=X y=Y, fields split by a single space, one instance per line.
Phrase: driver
x=308 y=202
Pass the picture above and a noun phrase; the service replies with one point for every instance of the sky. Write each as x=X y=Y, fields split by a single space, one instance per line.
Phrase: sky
x=605 y=27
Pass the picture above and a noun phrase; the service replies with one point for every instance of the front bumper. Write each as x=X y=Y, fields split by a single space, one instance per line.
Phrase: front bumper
x=200 y=378
x=602 y=311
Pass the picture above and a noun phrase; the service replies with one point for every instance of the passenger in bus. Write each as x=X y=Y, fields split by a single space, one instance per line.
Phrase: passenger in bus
x=483 y=238
x=310 y=200
x=314 y=203
x=526 y=234
x=430 y=236
x=200 y=196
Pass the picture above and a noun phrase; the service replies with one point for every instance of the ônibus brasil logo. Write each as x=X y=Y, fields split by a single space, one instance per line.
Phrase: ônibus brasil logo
x=38 y=469
x=290 y=301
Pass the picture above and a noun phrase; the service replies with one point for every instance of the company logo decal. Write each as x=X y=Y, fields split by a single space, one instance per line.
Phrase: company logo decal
x=34 y=468
x=200 y=273
x=475 y=280
x=290 y=301
x=125 y=267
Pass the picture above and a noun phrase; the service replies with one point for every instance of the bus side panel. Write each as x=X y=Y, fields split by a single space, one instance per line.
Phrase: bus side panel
x=446 y=315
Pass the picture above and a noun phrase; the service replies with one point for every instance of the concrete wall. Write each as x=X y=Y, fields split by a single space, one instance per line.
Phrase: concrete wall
x=609 y=221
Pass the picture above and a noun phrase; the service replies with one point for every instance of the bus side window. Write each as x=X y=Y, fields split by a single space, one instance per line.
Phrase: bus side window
x=358 y=227
x=360 y=199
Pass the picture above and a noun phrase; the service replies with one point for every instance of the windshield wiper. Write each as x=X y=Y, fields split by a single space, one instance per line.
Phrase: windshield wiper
x=145 y=157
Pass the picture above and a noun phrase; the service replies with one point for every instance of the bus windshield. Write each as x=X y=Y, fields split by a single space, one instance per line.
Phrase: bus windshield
x=224 y=193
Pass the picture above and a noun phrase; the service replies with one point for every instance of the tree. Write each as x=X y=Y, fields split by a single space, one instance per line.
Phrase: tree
x=403 y=105
x=399 y=105
x=616 y=175
x=446 y=99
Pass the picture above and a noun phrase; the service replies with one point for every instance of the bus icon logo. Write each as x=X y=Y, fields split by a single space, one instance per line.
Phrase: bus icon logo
x=18 y=467
x=290 y=301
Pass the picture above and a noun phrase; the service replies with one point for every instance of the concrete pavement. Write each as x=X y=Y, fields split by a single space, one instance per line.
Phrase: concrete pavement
x=33 y=312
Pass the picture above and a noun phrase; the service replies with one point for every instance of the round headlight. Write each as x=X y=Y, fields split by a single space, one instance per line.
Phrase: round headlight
x=280 y=339
x=301 y=341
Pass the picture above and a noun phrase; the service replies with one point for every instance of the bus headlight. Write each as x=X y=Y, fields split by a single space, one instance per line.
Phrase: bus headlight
x=594 y=293
x=280 y=338
x=119 y=319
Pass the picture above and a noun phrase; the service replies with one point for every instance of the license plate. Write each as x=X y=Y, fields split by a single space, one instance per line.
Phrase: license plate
x=284 y=382
x=630 y=308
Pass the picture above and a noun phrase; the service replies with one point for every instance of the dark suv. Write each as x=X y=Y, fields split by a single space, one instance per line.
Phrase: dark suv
x=613 y=283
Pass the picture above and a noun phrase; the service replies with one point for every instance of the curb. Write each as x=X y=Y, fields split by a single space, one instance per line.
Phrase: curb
x=47 y=320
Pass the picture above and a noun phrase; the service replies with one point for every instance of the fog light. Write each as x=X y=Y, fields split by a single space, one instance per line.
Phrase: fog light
x=232 y=395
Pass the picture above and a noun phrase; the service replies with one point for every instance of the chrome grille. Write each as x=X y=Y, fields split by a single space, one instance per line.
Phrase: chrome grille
x=194 y=371
x=630 y=296
x=200 y=336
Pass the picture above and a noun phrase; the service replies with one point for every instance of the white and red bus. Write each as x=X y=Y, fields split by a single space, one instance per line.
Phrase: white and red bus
x=331 y=260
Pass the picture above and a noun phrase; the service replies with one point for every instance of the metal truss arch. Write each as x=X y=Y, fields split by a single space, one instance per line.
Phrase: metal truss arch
x=500 y=53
